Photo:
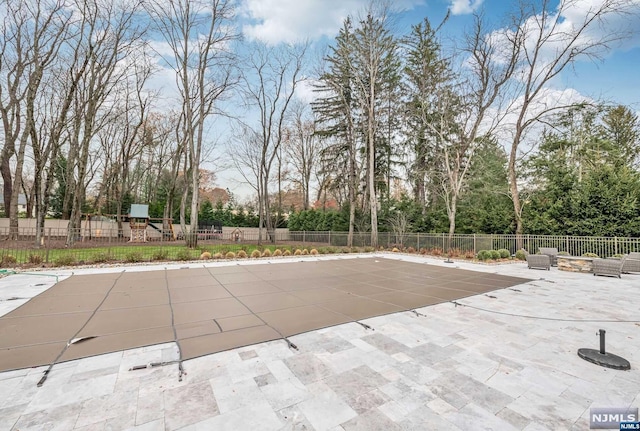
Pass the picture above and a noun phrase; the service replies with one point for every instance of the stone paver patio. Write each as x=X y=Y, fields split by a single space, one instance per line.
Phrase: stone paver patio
x=452 y=367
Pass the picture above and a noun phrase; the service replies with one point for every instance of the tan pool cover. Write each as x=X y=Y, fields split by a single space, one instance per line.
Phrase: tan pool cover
x=207 y=310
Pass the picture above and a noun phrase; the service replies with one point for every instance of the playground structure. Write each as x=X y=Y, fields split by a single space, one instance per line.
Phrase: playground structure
x=138 y=222
x=102 y=225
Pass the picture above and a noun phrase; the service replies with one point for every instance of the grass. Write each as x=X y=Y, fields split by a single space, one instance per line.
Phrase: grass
x=138 y=253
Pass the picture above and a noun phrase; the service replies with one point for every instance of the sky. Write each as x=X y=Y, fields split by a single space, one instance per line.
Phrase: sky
x=614 y=79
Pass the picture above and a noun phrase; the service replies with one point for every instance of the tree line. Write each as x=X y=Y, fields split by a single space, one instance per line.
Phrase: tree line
x=403 y=131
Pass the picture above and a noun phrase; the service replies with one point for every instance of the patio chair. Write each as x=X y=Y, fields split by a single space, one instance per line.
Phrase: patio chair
x=539 y=261
x=552 y=252
x=631 y=263
x=610 y=267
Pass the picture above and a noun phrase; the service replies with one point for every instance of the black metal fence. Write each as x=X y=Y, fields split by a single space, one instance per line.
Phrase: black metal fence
x=96 y=246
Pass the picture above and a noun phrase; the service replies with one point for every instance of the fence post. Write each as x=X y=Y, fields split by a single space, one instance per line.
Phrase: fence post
x=329 y=237
x=567 y=243
x=474 y=244
x=418 y=241
x=615 y=242
x=304 y=234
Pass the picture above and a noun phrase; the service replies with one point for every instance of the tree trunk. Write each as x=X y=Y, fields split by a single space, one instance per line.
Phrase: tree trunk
x=193 y=219
x=17 y=186
x=515 y=197
x=371 y=170
x=451 y=212
x=513 y=178
x=7 y=181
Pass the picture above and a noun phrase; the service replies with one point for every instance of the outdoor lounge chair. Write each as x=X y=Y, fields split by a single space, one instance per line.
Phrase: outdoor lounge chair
x=611 y=267
x=539 y=261
x=552 y=252
x=631 y=263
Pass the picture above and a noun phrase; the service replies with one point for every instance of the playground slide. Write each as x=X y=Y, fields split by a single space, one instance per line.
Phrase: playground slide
x=159 y=229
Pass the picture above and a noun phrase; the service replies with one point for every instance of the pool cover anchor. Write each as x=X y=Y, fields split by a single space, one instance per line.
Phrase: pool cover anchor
x=417 y=313
x=602 y=358
x=365 y=326
x=181 y=371
x=290 y=344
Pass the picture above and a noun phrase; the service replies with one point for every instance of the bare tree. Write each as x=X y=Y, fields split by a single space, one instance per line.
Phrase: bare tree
x=111 y=34
x=124 y=138
x=302 y=147
x=469 y=106
x=550 y=38
x=32 y=33
x=270 y=79
x=199 y=34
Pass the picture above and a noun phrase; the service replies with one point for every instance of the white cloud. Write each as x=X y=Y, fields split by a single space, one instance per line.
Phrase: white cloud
x=305 y=91
x=463 y=7
x=275 y=21
x=290 y=21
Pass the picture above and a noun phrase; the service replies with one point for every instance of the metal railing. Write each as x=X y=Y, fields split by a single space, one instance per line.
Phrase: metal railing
x=99 y=246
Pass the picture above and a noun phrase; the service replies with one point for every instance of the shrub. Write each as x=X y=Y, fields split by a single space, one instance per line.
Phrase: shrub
x=484 y=255
x=266 y=253
x=394 y=250
x=230 y=255
x=346 y=250
x=436 y=251
x=423 y=251
x=504 y=253
x=160 y=255
x=617 y=255
x=469 y=254
x=183 y=255
x=313 y=252
x=256 y=254
x=133 y=257
x=590 y=255
x=100 y=257
x=286 y=253
x=329 y=250
x=205 y=255
x=277 y=252
x=521 y=255
x=64 y=260
x=217 y=255
x=368 y=249
x=35 y=259
x=242 y=254
x=410 y=250
x=304 y=252
x=495 y=254
x=563 y=253
x=8 y=260
x=298 y=252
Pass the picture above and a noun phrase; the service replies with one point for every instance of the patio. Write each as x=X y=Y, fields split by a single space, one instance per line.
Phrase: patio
x=475 y=365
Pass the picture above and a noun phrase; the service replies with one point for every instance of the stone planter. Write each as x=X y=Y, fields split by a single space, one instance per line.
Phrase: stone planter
x=575 y=263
